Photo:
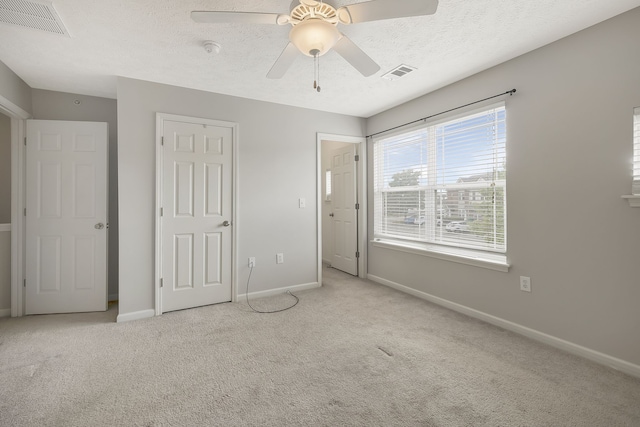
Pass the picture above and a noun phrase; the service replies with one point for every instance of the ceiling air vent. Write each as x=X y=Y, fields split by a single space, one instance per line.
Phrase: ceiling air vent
x=398 y=72
x=35 y=14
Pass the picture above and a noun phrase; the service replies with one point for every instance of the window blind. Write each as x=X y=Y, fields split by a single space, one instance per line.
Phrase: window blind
x=444 y=183
x=636 y=151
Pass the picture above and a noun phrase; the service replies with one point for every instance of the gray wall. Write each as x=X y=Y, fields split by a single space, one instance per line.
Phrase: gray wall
x=5 y=169
x=568 y=161
x=277 y=165
x=48 y=105
x=13 y=89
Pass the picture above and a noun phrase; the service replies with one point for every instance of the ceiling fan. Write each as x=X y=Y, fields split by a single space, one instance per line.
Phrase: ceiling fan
x=314 y=30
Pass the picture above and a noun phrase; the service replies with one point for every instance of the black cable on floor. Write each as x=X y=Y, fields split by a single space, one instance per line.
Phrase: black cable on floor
x=268 y=312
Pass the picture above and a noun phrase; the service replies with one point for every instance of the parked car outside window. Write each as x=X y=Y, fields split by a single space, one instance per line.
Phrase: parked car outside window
x=413 y=219
x=457 y=227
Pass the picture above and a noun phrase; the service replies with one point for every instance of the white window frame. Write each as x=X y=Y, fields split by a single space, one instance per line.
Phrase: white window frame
x=495 y=260
x=634 y=198
x=635 y=186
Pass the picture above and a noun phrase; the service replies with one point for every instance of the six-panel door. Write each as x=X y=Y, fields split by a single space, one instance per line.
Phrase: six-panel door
x=66 y=224
x=197 y=212
x=343 y=204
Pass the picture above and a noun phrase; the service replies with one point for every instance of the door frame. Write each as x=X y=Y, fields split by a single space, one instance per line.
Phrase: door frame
x=361 y=184
x=18 y=180
x=160 y=118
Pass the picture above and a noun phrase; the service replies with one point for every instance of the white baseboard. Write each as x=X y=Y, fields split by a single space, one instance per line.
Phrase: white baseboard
x=5 y=312
x=136 y=315
x=278 y=291
x=144 y=314
x=587 y=353
x=113 y=297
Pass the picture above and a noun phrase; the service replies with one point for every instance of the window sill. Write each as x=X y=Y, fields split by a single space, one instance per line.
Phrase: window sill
x=497 y=262
x=634 y=200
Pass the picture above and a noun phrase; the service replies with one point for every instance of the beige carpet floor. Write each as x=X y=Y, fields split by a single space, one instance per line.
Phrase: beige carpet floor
x=352 y=353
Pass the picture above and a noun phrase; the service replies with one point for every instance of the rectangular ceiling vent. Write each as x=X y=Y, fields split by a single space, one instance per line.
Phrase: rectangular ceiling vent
x=35 y=14
x=398 y=72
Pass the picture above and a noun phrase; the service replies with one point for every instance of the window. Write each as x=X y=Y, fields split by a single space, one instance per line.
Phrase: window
x=634 y=198
x=444 y=184
x=327 y=183
x=636 y=151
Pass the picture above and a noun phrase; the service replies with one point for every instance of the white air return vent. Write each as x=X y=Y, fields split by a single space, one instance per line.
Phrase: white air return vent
x=398 y=72
x=35 y=14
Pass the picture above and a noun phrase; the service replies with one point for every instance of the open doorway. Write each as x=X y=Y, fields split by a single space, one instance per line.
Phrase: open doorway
x=342 y=204
x=17 y=117
x=5 y=215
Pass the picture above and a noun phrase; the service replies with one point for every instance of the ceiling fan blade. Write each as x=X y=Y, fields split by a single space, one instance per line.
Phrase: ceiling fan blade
x=376 y=10
x=211 y=17
x=356 y=57
x=288 y=55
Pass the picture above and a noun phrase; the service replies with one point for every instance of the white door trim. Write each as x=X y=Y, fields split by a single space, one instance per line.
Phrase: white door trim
x=18 y=117
x=160 y=118
x=362 y=197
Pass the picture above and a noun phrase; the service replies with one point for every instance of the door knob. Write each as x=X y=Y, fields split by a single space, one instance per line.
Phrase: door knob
x=331 y=214
x=226 y=223
x=99 y=226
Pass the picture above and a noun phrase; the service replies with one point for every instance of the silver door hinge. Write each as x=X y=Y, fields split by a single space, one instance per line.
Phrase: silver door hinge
x=161 y=283
x=357 y=254
x=162 y=140
x=25 y=140
x=24 y=283
x=357 y=206
x=161 y=211
x=357 y=158
x=25 y=211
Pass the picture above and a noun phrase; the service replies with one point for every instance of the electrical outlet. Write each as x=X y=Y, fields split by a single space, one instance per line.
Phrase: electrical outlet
x=302 y=203
x=525 y=284
x=280 y=258
x=252 y=262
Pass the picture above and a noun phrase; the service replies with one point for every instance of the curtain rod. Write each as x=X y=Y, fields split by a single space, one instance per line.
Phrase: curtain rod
x=509 y=92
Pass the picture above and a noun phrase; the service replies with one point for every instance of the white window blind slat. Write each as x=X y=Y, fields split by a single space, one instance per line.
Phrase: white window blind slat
x=444 y=183
x=636 y=151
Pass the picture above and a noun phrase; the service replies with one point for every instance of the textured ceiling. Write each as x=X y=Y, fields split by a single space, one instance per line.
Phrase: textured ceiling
x=156 y=40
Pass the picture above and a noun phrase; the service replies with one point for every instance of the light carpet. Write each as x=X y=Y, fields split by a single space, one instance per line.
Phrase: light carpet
x=352 y=353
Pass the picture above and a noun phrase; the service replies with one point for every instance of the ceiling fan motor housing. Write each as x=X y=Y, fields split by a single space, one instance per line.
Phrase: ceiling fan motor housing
x=320 y=11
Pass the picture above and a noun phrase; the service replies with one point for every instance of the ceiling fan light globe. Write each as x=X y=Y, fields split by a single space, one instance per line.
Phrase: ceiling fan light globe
x=314 y=35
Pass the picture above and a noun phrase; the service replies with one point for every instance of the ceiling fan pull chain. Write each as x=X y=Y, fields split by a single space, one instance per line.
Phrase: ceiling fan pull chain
x=316 y=66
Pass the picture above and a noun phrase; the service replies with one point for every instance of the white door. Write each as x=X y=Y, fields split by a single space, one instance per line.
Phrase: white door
x=197 y=211
x=66 y=225
x=343 y=205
